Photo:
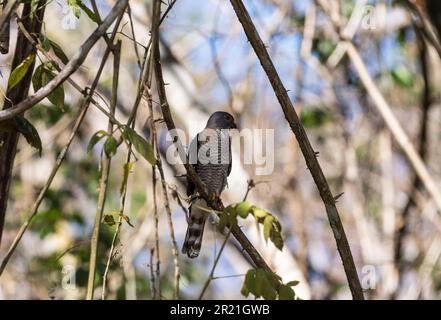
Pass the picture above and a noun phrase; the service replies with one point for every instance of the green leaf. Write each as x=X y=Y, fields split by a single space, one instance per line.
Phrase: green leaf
x=403 y=76
x=267 y=226
x=259 y=213
x=244 y=290
x=59 y=52
x=250 y=281
x=73 y=4
x=141 y=145
x=127 y=169
x=314 y=117
x=293 y=283
x=42 y=76
x=87 y=11
x=286 y=293
x=97 y=136
x=29 y=132
x=277 y=239
x=20 y=71
x=110 y=146
x=265 y=285
x=243 y=209
x=45 y=42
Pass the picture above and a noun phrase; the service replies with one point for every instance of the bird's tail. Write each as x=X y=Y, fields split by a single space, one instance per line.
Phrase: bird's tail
x=195 y=230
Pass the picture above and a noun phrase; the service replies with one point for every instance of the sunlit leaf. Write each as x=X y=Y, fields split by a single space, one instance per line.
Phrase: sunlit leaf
x=403 y=76
x=243 y=209
x=141 y=145
x=267 y=226
x=97 y=136
x=293 y=283
x=20 y=71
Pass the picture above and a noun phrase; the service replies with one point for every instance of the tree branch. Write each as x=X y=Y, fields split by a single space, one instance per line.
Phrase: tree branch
x=305 y=146
x=191 y=173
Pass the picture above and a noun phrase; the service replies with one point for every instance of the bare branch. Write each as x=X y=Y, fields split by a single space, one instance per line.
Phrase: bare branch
x=307 y=150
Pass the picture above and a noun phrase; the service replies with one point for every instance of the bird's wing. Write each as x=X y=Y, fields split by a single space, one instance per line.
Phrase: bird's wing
x=192 y=158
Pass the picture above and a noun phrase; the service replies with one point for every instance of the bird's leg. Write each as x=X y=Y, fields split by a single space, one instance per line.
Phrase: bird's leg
x=215 y=199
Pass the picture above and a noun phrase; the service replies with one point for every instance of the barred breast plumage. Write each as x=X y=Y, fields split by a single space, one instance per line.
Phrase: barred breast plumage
x=213 y=165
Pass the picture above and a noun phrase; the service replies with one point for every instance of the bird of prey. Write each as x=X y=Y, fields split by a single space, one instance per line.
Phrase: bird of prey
x=210 y=155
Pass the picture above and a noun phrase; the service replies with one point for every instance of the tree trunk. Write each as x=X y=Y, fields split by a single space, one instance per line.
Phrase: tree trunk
x=9 y=139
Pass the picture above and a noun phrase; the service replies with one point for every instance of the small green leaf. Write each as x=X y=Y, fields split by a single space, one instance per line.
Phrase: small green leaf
x=59 y=52
x=45 y=43
x=314 y=117
x=244 y=290
x=110 y=146
x=243 y=209
x=37 y=78
x=277 y=239
x=403 y=76
x=73 y=4
x=87 y=11
x=259 y=213
x=267 y=226
x=20 y=71
x=250 y=281
x=265 y=285
x=293 y=283
x=95 y=139
x=286 y=293
x=29 y=132
x=127 y=169
x=141 y=145
x=42 y=76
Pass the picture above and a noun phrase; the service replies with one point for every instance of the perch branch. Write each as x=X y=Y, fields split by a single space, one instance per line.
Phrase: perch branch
x=305 y=146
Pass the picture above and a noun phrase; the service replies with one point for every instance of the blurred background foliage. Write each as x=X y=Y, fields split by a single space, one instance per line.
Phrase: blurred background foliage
x=210 y=66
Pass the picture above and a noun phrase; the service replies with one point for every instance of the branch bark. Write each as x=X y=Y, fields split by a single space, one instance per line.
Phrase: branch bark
x=168 y=119
x=307 y=150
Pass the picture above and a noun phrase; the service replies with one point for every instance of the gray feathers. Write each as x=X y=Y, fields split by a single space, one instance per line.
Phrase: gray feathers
x=210 y=154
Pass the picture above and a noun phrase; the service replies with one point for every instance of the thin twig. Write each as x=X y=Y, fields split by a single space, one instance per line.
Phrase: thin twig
x=116 y=69
x=157 y=15
x=83 y=110
x=152 y=274
x=210 y=276
x=105 y=170
x=215 y=204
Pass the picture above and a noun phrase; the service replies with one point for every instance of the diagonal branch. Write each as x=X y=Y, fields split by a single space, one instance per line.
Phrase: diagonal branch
x=307 y=150
x=191 y=173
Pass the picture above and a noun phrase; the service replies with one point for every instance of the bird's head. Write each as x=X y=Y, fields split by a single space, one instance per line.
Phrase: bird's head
x=221 y=120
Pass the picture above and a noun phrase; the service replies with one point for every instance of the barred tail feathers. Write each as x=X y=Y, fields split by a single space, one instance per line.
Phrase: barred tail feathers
x=193 y=239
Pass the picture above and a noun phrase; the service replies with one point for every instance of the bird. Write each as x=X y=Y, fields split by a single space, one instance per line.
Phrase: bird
x=210 y=155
